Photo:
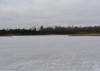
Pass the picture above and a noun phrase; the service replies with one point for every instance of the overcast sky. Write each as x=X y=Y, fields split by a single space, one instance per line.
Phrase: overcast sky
x=25 y=13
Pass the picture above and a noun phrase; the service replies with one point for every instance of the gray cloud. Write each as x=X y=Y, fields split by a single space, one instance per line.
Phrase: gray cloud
x=17 y=13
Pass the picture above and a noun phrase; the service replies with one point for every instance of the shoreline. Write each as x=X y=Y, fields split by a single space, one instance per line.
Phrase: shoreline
x=54 y=35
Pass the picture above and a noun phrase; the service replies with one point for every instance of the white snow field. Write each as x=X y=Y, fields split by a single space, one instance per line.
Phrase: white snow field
x=50 y=53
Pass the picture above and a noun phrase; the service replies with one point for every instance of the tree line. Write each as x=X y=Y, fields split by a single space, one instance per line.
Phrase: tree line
x=58 y=30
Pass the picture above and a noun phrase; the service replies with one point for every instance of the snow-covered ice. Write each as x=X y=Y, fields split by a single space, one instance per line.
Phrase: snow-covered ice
x=50 y=53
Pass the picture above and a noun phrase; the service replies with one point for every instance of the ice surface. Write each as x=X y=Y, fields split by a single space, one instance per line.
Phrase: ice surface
x=50 y=53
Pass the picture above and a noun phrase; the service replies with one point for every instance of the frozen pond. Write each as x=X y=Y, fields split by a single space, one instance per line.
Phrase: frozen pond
x=50 y=53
